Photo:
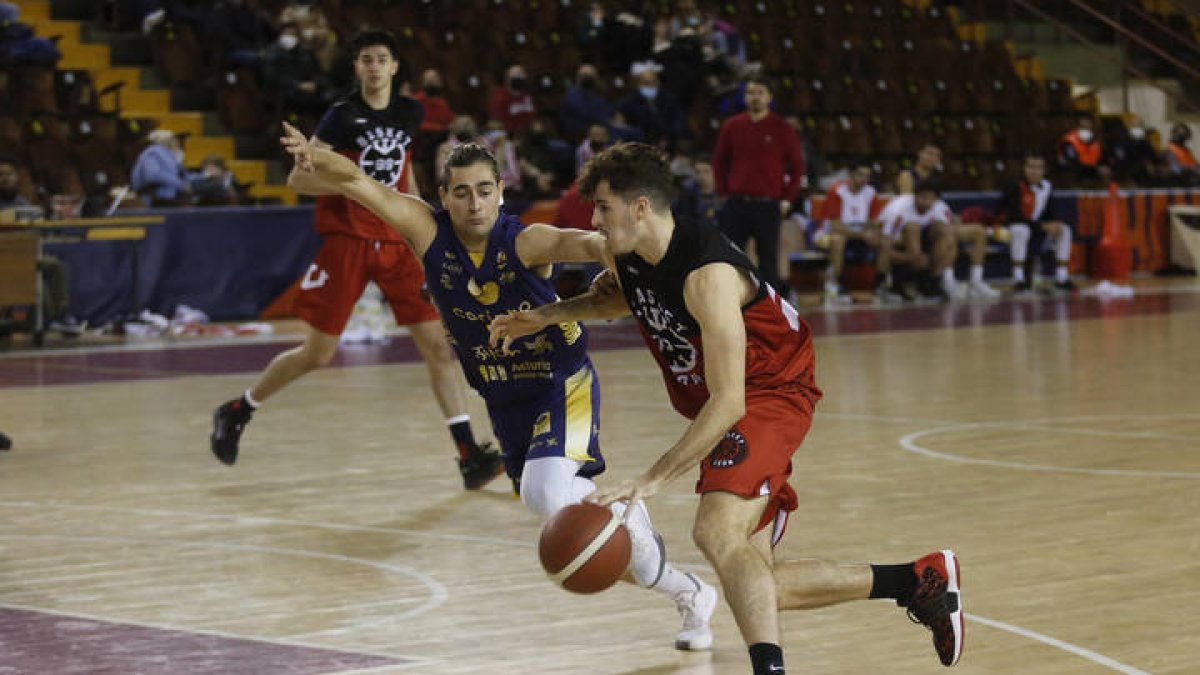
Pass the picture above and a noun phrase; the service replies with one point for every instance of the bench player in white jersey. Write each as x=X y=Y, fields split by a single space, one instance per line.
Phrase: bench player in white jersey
x=925 y=235
x=850 y=223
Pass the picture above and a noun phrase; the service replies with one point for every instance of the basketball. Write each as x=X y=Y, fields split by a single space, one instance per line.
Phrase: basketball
x=584 y=548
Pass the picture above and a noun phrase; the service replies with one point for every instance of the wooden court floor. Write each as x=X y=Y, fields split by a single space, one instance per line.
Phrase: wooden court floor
x=1060 y=459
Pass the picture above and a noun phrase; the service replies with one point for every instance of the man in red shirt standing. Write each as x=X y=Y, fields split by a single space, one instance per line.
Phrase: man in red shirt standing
x=373 y=127
x=759 y=168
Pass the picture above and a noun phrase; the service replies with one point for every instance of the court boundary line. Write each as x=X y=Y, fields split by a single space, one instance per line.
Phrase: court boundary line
x=437 y=591
x=909 y=443
x=1082 y=652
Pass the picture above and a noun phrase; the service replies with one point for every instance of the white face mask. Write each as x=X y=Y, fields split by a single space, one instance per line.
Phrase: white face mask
x=178 y=155
x=1086 y=135
x=1137 y=133
x=288 y=41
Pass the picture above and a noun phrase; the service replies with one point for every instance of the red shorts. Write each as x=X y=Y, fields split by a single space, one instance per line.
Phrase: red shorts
x=755 y=457
x=340 y=272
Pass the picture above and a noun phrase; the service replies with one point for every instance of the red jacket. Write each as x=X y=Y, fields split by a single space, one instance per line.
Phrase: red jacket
x=758 y=159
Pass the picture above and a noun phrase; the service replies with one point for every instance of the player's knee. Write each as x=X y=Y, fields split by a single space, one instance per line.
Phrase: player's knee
x=544 y=498
x=714 y=543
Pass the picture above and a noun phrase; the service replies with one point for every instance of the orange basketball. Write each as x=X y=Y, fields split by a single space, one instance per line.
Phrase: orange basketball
x=584 y=548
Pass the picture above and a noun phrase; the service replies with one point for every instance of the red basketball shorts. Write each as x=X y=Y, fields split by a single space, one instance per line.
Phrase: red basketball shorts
x=340 y=272
x=755 y=456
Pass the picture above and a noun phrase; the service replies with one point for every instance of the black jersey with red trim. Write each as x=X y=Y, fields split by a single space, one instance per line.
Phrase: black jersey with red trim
x=379 y=141
x=779 y=352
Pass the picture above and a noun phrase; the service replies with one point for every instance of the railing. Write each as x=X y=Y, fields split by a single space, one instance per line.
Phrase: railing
x=1124 y=36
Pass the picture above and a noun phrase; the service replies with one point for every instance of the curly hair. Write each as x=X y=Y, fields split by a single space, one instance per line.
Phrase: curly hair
x=632 y=170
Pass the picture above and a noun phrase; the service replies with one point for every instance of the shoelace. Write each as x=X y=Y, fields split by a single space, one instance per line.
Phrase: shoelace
x=691 y=618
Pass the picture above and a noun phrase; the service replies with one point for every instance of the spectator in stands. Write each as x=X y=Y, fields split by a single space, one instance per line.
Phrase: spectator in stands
x=653 y=110
x=1133 y=156
x=851 y=223
x=511 y=105
x=438 y=113
x=158 y=174
x=462 y=130
x=596 y=140
x=759 y=170
x=680 y=55
x=214 y=184
x=56 y=295
x=1081 y=153
x=928 y=167
x=155 y=13
x=1028 y=209
x=584 y=105
x=508 y=165
x=698 y=198
x=314 y=30
x=1181 y=162
x=238 y=31
x=589 y=32
x=293 y=75
x=537 y=161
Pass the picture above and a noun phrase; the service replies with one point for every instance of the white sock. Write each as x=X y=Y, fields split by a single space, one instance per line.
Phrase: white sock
x=1062 y=247
x=250 y=400
x=1061 y=274
x=648 y=559
x=1018 y=271
x=948 y=275
x=977 y=274
x=674 y=583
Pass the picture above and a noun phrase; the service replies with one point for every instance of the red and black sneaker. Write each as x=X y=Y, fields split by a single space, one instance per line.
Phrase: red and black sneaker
x=937 y=603
x=480 y=466
x=228 y=422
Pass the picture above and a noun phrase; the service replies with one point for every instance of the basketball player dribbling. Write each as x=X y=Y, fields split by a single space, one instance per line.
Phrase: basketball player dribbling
x=737 y=361
x=374 y=127
x=542 y=393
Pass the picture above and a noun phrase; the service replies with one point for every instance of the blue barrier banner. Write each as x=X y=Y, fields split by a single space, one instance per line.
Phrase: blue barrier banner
x=230 y=262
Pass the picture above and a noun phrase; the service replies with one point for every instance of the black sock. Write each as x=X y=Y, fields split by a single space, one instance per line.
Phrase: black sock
x=898 y=582
x=766 y=658
x=463 y=438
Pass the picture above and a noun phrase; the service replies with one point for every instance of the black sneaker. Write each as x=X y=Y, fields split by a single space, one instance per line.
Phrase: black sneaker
x=228 y=422
x=479 y=468
x=1022 y=287
x=1067 y=286
x=5 y=442
x=937 y=603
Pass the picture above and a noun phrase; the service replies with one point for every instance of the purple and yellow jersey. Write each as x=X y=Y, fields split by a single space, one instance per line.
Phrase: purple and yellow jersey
x=543 y=397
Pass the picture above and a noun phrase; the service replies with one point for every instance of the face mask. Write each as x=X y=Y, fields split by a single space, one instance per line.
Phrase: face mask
x=1086 y=135
x=588 y=83
x=288 y=41
x=463 y=136
x=517 y=84
x=693 y=21
x=648 y=92
x=494 y=137
x=178 y=155
x=1137 y=133
x=432 y=90
x=596 y=146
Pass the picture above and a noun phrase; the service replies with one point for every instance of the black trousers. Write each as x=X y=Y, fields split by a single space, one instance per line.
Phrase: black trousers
x=743 y=219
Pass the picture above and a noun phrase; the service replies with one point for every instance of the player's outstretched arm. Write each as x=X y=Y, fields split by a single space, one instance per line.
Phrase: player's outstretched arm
x=602 y=301
x=545 y=245
x=408 y=215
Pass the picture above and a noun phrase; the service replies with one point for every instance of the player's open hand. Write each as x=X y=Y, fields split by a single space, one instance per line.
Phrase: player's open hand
x=504 y=329
x=297 y=145
x=628 y=491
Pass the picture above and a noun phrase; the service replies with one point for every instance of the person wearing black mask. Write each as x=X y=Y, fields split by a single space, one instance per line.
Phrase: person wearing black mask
x=511 y=104
x=584 y=105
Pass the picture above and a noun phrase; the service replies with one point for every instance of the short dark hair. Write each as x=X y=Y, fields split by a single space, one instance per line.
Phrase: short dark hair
x=759 y=78
x=860 y=162
x=373 y=38
x=928 y=185
x=466 y=155
x=632 y=170
x=1033 y=154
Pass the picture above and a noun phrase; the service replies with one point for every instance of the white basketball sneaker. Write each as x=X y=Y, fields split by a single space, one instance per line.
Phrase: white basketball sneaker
x=981 y=290
x=696 y=607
